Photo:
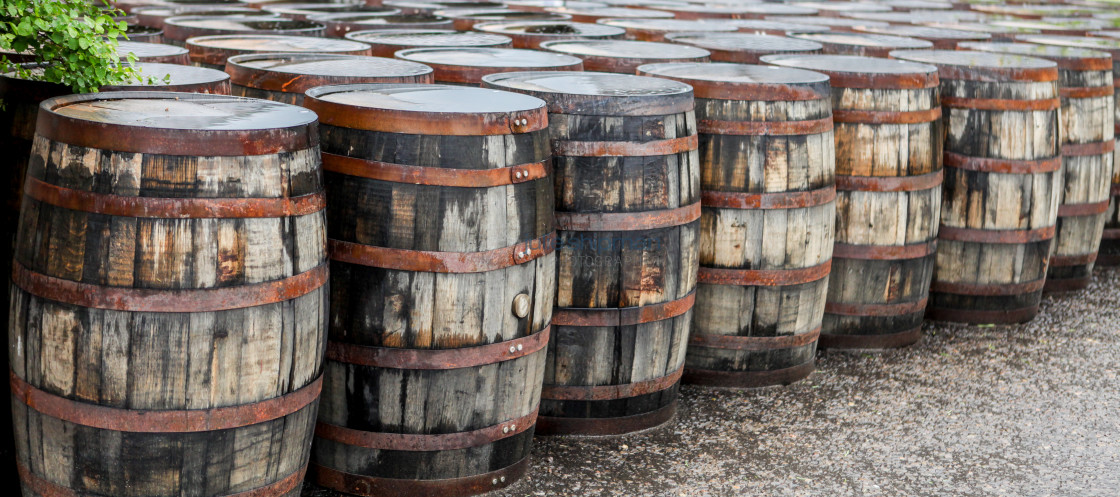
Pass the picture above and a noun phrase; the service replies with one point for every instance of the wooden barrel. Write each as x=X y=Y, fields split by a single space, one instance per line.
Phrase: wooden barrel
x=153 y=52
x=838 y=24
x=888 y=181
x=1087 y=143
x=442 y=287
x=866 y=44
x=467 y=66
x=386 y=42
x=153 y=15
x=942 y=38
x=744 y=48
x=541 y=5
x=628 y=208
x=777 y=28
x=532 y=34
x=766 y=228
x=593 y=14
x=301 y=11
x=338 y=25
x=1002 y=185
x=656 y=29
x=1045 y=28
x=623 y=56
x=422 y=7
x=142 y=34
x=997 y=33
x=759 y=10
x=174 y=77
x=168 y=299
x=286 y=77
x=212 y=51
x=176 y=30
x=465 y=19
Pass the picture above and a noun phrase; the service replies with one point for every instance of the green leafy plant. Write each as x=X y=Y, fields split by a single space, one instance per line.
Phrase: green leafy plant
x=71 y=42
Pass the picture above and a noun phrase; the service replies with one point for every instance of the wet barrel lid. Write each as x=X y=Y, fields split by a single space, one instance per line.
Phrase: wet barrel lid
x=216 y=49
x=152 y=52
x=468 y=65
x=1078 y=22
x=153 y=16
x=917 y=5
x=723 y=81
x=845 y=6
x=1109 y=45
x=177 y=123
x=1040 y=26
x=175 y=77
x=299 y=72
x=183 y=27
x=670 y=25
x=552 y=29
x=598 y=93
x=775 y=27
x=981 y=27
x=982 y=66
x=301 y=11
x=1106 y=34
x=593 y=14
x=837 y=23
x=857 y=71
x=339 y=24
x=387 y=41
x=540 y=5
x=429 y=7
x=1078 y=59
x=474 y=16
x=888 y=17
x=927 y=33
x=738 y=10
x=863 y=40
x=427 y=109
x=625 y=49
x=744 y=42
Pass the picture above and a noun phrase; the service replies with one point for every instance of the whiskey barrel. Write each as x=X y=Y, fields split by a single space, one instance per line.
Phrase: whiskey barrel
x=942 y=38
x=168 y=299
x=777 y=28
x=744 y=48
x=285 y=77
x=627 y=213
x=465 y=19
x=866 y=44
x=212 y=51
x=656 y=29
x=593 y=14
x=153 y=52
x=141 y=34
x=153 y=16
x=442 y=287
x=766 y=227
x=301 y=11
x=338 y=25
x=154 y=76
x=695 y=11
x=386 y=42
x=888 y=181
x=467 y=66
x=1087 y=144
x=997 y=33
x=532 y=34
x=1002 y=185
x=623 y=56
x=838 y=24
x=176 y=30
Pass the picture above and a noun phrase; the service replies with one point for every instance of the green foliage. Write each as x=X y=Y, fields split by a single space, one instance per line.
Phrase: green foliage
x=74 y=40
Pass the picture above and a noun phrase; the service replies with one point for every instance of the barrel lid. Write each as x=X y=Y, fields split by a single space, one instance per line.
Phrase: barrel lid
x=980 y=27
x=825 y=21
x=242 y=23
x=487 y=57
x=427 y=109
x=1110 y=45
x=155 y=14
x=918 y=4
x=714 y=25
x=1078 y=22
x=857 y=71
x=1045 y=27
x=440 y=5
x=625 y=49
x=375 y=18
x=1106 y=34
x=744 y=42
x=428 y=38
x=495 y=15
x=149 y=50
x=299 y=72
x=302 y=10
x=864 y=40
x=598 y=93
x=544 y=4
x=1077 y=59
x=724 y=81
x=611 y=12
x=982 y=66
x=845 y=6
x=755 y=25
x=742 y=9
x=176 y=76
x=172 y=123
x=927 y=33
x=276 y=43
x=550 y=28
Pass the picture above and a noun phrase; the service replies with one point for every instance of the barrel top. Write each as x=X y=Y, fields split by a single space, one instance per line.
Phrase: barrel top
x=428 y=37
x=480 y=15
x=826 y=21
x=306 y=9
x=171 y=75
x=744 y=42
x=670 y=24
x=864 y=40
x=625 y=49
x=746 y=25
x=335 y=65
x=845 y=6
x=744 y=8
x=612 y=12
x=1111 y=33
x=551 y=28
x=173 y=10
x=983 y=66
x=1110 y=45
x=276 y=43
x=598 y=93
x=725 y=81
x=243 y=23
x=856 y=71
x=367 y=19
x=980 y=27
x=929 y=32
x=1044 y=51
x=487 y=57
x=146 y=50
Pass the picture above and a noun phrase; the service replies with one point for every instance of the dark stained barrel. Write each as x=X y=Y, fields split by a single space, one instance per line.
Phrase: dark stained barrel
x=301 y=11
x=532 y=34
x=942 y=38
x=465 y=19
x=168 y=299
x=656 y=29
x=1003 y=182
x=997 y=33
x=212 y=51
x=153 y=16
x=176 y=30
x=888 y=181
x=338 y=25
x=386 y=42
x=593 y=14
x=838 y=24
x=866 y=44
x=285 y=77
x=153 y=52
x=467 y=66
x=733 y=11
x=766 y=228
x=627 y=213
x=174 y=77
x=1087 y=129
x=624 y=56
x=777 y=28
x=442 y=287
x=744 y=48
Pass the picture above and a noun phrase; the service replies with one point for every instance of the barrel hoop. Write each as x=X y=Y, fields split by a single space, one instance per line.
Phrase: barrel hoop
x=1092 y=148
x=441 y=262
x=370 y=486
x=435 y=176
x=621 y=425
x=976 y=235
x=884 y=252
x=157 y=300
x=753 y=343
x=1086 y=92
x=437 y=359
x=172 y=208
x=46 y=488
x=997 y=75
x=877 y=341
x=887 y=117
x=977 y=316
x=750 y=92
x=782 y=200
x=611 y=392
x=1001 y=104
x=1008 y=166
x=168 y=421
x=625 y=149
x=987 y=290
x=428 y=123
x=626 y=316
x=1090 y=209
x=890 y=183
x=759 y=128
x=1111 y=234
x=1072 y=260
x=627 y=221
x=883 y=81
x=894 y=309
x=426 y=442
x=764 y=277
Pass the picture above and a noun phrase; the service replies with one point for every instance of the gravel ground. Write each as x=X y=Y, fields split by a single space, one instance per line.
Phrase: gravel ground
x=1030 y=410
